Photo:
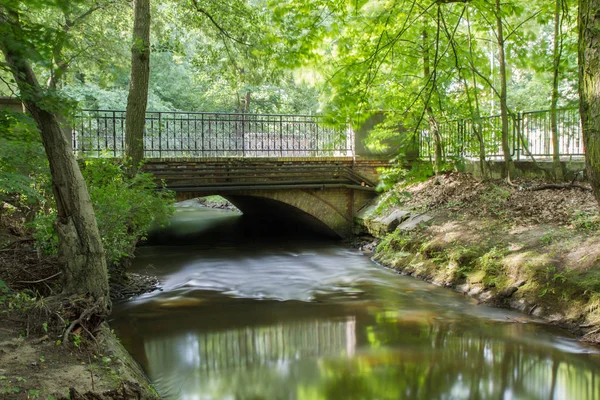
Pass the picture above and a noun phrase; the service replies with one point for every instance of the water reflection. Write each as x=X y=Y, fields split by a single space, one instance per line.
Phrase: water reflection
x=303 y=320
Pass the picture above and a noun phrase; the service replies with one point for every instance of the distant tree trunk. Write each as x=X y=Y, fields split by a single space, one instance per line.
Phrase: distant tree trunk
x=247 y=101
x=433 y=126
x=80 y=247
x=137 y=99
x=589 y=87
x=508 y=161
x=557 y=54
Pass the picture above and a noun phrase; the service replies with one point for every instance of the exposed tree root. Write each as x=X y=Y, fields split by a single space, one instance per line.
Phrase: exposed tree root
x=84 y=319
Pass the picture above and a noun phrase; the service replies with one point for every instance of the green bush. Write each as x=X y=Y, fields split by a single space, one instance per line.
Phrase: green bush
x=125 y=210
x=24 y=172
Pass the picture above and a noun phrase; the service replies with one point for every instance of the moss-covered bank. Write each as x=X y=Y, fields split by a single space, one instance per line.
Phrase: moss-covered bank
x=535 y=251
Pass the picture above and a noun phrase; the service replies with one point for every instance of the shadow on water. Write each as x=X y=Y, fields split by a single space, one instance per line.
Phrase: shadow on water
x=249 y=311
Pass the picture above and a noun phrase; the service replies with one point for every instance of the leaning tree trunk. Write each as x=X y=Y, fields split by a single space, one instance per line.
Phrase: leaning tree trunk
x=589 y=87
x=80 y=247
x=137 y=99
x=508 y=161
x=557 y=54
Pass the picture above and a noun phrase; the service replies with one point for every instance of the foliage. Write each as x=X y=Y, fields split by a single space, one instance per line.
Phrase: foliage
x=125 y=209
x=418 y=172
x=586 y=220
x=24 y=175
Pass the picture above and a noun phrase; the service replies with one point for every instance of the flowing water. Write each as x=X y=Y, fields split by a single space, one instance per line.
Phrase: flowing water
x=252 y=313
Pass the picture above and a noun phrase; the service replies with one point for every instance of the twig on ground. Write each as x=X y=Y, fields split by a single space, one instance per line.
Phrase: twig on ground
x=42 y=280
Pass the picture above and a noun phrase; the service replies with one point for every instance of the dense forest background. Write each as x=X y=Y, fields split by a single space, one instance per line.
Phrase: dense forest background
x=314 y=57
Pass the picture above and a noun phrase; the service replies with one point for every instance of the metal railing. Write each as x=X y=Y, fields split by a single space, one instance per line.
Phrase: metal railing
x=101 y=133
x=530 y=133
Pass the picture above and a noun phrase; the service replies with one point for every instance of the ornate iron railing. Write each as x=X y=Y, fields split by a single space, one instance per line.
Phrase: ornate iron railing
x=101 y=133
x=530 y=133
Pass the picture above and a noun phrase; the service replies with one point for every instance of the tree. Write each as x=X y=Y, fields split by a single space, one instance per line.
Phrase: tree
x=508 y=161
x=556 y=61
x=589 y=87
x=80 y=247
x=137 y=100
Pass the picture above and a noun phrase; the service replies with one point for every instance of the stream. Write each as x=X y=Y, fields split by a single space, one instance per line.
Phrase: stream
x=252 y=310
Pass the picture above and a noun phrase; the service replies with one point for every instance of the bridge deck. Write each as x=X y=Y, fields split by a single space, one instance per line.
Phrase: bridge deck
x=193 y=175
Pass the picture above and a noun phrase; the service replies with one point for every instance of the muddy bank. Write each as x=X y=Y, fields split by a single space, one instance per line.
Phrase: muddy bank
x=534 y=251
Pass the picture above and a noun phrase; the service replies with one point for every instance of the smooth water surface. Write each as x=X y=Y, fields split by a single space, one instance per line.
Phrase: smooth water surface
x=250 y=314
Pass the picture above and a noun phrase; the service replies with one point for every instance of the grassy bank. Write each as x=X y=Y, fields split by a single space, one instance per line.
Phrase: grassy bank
x=537 y=251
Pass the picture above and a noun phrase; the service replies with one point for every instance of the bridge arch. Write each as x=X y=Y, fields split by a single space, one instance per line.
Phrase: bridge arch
x=329 y=211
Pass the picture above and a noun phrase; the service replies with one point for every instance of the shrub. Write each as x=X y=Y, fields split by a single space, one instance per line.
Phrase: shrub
x=125 y=210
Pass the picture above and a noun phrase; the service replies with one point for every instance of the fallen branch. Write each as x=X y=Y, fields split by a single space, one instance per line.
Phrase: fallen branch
x=592 y=332
x=559 y=187
x=42 y=280
x=8 y=246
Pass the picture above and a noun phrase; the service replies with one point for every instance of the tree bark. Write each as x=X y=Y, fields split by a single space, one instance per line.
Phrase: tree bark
x=508 y=161
x=589 y=87
x=137 y=100
x=475 y=110
x=80 y=247
x=557 y=55
x=433 y=126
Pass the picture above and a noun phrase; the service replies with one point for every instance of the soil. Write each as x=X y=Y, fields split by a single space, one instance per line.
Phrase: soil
x=34 y=363
x=537 y=251
x=36 y=366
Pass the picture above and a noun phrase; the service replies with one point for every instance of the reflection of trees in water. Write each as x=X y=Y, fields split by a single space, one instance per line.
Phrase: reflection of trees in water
x=389 y=358
x=178 y=361
x=437 y=360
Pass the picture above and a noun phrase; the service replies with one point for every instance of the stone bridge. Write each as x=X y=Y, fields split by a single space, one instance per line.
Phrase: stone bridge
x=292 y=167
x=322 y=193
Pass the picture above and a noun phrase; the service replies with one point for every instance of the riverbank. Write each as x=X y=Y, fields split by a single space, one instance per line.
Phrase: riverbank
x=34 y=361
x=537 y=251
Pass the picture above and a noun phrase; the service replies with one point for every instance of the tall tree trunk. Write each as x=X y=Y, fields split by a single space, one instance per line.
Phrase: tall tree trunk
x=508 y=161
x=80 y=247
x=433 y=126
x=557 y=54
x=476 y=111
x=137 y=100
x=589 y=87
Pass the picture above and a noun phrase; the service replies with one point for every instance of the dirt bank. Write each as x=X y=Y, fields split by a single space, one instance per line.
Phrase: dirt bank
x=34 y=361
x=537 y=251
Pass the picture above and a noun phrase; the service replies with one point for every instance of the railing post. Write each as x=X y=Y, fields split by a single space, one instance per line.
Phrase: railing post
x=159 y=134
x=202 y=135
x=281 y=135
x=243 y=135
x=114 y=121
x=517 y=140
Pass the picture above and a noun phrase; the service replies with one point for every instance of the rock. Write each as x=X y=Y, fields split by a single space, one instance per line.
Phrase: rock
x=414 y=222
x=507 y=292
x=388 y=223
x=464 y=288
x=475 y=291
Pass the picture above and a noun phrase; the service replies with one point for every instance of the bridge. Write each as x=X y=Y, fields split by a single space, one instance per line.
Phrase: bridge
x=291 y=167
